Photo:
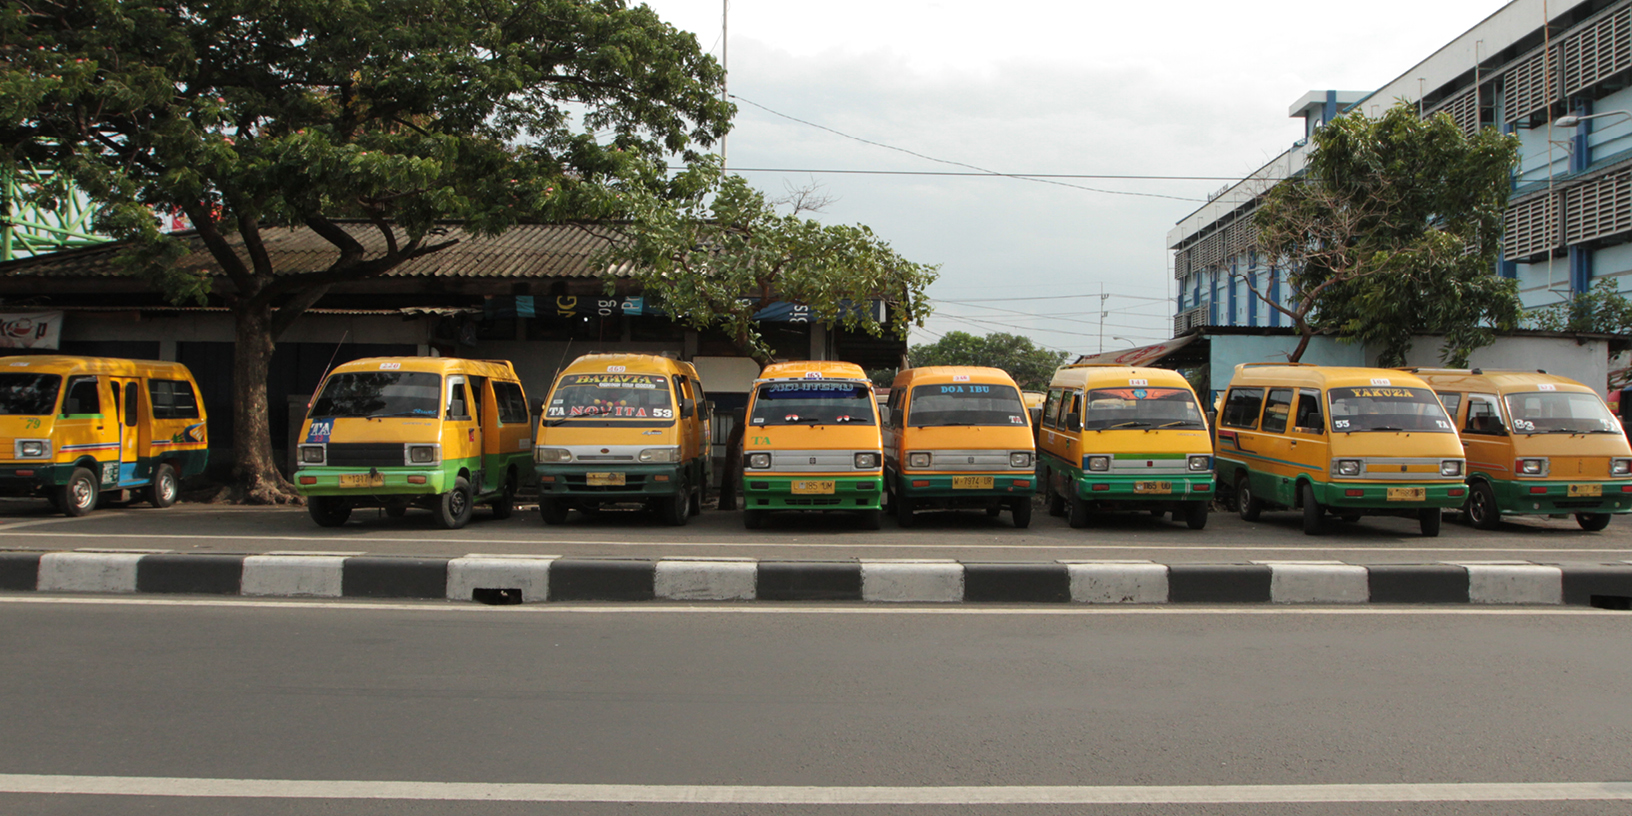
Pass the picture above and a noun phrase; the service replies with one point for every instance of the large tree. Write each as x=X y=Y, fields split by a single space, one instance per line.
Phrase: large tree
x=1030 y=366
x=248 y=116
x=1393 y=230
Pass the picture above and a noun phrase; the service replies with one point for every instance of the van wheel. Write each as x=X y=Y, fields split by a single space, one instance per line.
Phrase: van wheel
x=1592 y=521
x=872 y=519
x=554 y=512
x=1021 y=508
x=1077 y=510
x=165 y=488
x=78 y=496
x=453 y=507
x=1481 y=508
x=675 y=510
x=505 y=504
x=1430 y=518
x=1312 y=510
x=753 y=519
x=1246 y=504
x=904 y=508
x=695 y=506
x=328 y=511
x=1195 y=515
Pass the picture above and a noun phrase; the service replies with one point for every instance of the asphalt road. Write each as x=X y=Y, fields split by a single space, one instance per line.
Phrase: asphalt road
x=965 y=536
x=429 y=708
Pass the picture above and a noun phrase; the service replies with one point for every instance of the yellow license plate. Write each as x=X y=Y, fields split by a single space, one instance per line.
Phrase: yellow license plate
x=1153 y=487
x=1592 y=490
x=1408 y=494
x=813 y=488
x=362 y=480
x=604 y=479
x=972 y=483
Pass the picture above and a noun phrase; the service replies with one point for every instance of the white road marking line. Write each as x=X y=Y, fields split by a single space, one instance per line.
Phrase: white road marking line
x=854 y=545
x=780 y=608
x=12 y=525
x=815 y=795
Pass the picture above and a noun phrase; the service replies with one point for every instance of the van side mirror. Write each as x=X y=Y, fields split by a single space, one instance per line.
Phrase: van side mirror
x=688 y=406
x=1073 y=422
x=884 y=414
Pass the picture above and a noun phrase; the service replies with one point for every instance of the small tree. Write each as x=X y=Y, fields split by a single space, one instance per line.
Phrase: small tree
x=1031 y=367
x=1393 y=230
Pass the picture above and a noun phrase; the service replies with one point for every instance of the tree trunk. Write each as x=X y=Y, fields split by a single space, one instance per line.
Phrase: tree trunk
x=1303 y=344
x=254 y=469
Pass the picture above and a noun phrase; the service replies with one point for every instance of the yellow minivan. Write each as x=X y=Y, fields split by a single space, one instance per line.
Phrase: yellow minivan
x=80 y=428
x=957 y=437
x=1116 y=437
x=624 y=428
x=441 y=433
x=1355 y=441
x=812 y=442
x=1536 y=444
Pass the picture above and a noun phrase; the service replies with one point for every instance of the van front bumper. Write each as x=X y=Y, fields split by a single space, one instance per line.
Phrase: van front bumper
x=22 y=479
x=767 y=492
x=1104 y=487
x=639 y=481
x=1520 y=498
x=325 y=481
x=940 y=486
x=1374 y=496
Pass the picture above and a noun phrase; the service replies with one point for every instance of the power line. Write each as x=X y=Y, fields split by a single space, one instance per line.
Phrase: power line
x=976 y=175
x=1051 y=297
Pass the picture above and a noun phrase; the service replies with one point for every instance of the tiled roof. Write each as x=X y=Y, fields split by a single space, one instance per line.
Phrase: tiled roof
x=523 y=251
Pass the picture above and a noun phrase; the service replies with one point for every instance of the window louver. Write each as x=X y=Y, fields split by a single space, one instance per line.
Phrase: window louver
x=1463 y=110
x=1598 y=208
x=1532 y=85
x=1531 y=228
x=1598 y=52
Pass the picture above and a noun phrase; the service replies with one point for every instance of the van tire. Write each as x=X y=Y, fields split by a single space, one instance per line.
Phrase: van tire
x=453 y=507
x=1246 y=504
x=753 y=519
x=1592 y=521
x=328 y=511
x=554 y=512
x=1077 y=512
x=1195 y=515
x=504 y=505
x=872 y=519
x=904 y=508
x=675 y=510
x=1021 y=508
x=695 y=506
x=1430 y=518
x=1481 y=509
x=165 y=488
x=1311 y=510
x=78 y=496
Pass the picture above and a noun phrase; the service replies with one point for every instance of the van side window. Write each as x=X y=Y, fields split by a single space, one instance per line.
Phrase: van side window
x=1484 y=417
x=512 y=404
x=1309 y=417
x=133 y=403
x=1071 y=404
x=172 y=399
x=1051 y=410
x=1241 y=408
x=1277 y=410
x=897 y=396
x=82 y=397
x=1452 y=401
x=458 y=403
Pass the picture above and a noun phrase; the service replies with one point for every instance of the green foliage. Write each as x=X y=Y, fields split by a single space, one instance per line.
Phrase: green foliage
x=1601 y=309
x=723 y=253
x=1394 y=230
x=1030 y=366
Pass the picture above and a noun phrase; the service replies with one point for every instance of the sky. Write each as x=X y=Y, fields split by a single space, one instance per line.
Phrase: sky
x=911 y=89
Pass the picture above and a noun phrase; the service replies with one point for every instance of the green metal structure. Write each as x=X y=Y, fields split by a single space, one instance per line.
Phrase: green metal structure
x=30 y=227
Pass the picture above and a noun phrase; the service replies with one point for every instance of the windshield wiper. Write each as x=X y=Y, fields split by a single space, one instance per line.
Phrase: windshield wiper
x=1383 y=428
x=1189 y=422
x=1129 y=424
x=408 y=413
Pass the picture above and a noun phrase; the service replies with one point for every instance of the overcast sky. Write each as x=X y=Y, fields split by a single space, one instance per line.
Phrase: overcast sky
x=1195 y=89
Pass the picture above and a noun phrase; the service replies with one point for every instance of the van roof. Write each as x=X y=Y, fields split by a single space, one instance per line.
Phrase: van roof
x=1092 y=374
x=1498 y=380
x=434 y=365
x=1318 y=376
x=93 y=365
x=827 y=369
x=648 y=362
x=945 y=374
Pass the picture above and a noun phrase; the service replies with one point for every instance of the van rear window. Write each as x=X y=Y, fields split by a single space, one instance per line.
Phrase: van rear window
x=965 y=404
x=28 y=394
x=1387 y=408
x=380 y=394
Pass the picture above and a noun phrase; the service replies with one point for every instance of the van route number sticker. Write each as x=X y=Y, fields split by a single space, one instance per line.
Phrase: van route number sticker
x=1380 y=381
x=390 y=366
x=1138 y=382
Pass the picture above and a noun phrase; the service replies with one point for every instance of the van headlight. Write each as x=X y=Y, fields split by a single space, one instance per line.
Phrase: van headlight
x=1450 y=467
x=759 y=461
x=313 y=454
x=1199 y=462
x=866 y=460
x=1530 y=467
x=32 y=449
x=1020 y=459
x=548 y=455
x=1620 y=467
x=1101 y=463
x=1348 y=467
x=424 y=454
x=918 y=460
x=659 y=455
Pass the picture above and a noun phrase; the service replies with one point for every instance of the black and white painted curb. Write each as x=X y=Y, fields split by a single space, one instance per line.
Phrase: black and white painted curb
x=535 y=579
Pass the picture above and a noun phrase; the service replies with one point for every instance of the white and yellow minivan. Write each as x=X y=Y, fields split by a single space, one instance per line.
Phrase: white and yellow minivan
x=1352 y=441
x=80 y=428
x=624 y=428
x=812 y=442
x=1116 y=437
x=958 y=437
x=1537 y=444
x=441 y=433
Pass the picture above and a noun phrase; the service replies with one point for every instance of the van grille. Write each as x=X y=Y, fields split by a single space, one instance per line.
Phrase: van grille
x=365 y=454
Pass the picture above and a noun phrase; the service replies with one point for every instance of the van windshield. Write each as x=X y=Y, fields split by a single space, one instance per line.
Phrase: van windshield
x=965 y=404
x=1119 y=408
x=1387 y=408
x=380 y=394
x=816 y=402
x=28 y=394
x=1544 y=412
x=610 y=396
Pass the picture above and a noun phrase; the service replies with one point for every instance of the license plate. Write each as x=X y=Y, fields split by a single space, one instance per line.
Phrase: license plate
x=1593 y=490
x=604 y=479
x=1408 y=494
x=813 y=488
x=972 y=483
x=362 y=480
x=1153 y=487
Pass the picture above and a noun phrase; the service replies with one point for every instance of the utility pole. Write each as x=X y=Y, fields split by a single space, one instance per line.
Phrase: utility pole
x=1102 y=297
x=725 y=65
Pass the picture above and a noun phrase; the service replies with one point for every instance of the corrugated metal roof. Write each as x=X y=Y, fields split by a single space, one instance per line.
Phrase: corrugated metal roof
x=523 y=251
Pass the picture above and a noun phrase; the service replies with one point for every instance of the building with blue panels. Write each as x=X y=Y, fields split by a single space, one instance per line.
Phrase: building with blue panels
x=1557 y=74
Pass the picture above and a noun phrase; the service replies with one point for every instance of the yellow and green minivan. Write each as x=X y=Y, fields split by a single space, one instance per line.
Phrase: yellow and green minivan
x=812 y=442
x=1352 y=441
x=1536 y=444
x=81 y=428
x=1116 y=437
x=441 y=433
x=621 y=428
x=958 y=437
